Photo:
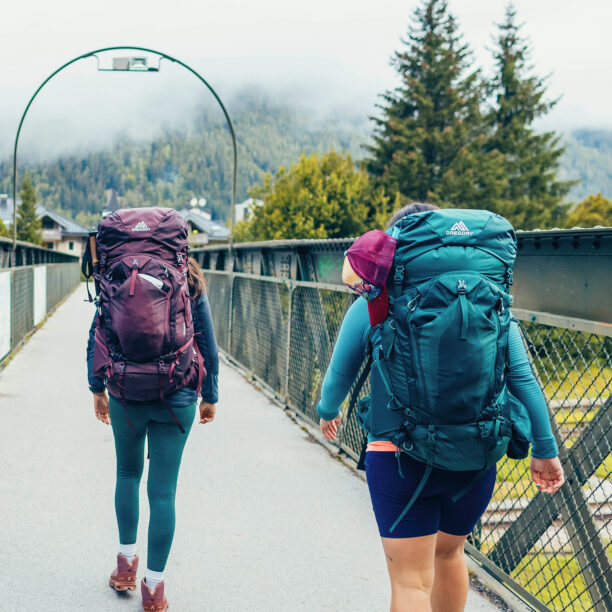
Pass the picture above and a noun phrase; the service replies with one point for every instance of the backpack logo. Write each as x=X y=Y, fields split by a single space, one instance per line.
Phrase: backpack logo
x=459 y=229
x=141 y=227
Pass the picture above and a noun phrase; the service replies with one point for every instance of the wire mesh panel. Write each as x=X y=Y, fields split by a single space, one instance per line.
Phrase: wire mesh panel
x=61 y=280
x=260 y=319
x=315 y=321
x=559 y=547
x=556 y=547
x=219 y=284
x=22 y=304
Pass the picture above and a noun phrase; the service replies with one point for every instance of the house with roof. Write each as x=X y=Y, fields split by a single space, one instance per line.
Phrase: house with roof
x=243 y=210
x=61 y=234
x=202 y=229
x=58 y=232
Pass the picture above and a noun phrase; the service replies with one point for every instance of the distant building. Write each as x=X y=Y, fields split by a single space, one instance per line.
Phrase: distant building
x=243 y=209
x=112 y=204
x=6 y=209
x=61 y=234
x=58 y=233
x=202 y=229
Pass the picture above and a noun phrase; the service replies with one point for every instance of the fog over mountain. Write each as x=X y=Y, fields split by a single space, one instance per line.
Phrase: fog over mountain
x=159 y=161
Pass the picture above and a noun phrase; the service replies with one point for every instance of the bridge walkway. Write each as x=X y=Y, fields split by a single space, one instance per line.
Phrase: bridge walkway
x=267 y=520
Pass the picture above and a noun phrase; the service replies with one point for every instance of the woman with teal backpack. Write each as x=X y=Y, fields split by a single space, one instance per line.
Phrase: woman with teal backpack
x=448 y=370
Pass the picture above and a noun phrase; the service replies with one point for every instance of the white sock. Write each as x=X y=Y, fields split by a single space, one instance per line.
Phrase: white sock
x=153 y=578
x=128 y=551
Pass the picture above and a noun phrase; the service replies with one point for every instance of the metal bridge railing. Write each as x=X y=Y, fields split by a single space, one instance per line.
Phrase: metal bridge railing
x=27 y=295
x=553 y=551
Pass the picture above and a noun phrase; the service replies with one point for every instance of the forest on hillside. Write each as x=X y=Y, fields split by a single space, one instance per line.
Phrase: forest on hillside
x=178 y=165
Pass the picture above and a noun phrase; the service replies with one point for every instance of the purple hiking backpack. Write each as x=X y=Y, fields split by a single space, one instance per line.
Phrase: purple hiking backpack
x=144 y=341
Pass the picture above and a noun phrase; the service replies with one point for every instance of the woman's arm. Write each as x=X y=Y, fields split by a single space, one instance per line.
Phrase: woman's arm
x=545 y=467
x=348 y=355
x=207 y=343
x=522 y=384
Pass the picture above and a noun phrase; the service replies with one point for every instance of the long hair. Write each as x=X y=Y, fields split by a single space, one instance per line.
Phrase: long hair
x=410 y=209
x=195 y=279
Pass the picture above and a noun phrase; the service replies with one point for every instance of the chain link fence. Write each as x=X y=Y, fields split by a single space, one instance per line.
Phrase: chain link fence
x=27 y=295
x=555 y=551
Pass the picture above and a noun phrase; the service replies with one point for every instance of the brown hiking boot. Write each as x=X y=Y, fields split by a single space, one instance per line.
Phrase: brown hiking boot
x=153 y=601
x=124 y=575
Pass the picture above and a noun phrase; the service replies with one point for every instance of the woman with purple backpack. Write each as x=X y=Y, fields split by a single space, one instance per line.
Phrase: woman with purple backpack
x=152 y=345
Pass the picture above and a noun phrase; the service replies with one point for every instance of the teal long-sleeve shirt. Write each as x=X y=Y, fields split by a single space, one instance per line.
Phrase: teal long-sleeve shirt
x=351 y=349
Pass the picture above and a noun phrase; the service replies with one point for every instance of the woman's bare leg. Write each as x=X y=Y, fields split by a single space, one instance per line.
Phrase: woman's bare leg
x=450 y=587
x=411 y=570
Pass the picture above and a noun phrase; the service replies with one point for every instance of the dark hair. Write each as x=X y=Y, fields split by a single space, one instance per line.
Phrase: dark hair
x=410 y=209
x=195 y=279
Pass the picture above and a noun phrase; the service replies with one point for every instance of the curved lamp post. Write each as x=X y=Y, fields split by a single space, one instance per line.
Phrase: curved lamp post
x=133 y=64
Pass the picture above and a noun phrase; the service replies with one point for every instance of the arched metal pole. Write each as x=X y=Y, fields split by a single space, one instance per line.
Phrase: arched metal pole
x=126 y=48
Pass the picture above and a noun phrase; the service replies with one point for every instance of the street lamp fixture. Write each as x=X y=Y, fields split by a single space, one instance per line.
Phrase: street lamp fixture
x=138 y=63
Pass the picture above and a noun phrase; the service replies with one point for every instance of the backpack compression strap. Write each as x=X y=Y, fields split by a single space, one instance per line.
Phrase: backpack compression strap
x=414 y=497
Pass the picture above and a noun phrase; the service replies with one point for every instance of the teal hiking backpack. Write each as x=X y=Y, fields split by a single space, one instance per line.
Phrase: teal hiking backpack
x=439 y=361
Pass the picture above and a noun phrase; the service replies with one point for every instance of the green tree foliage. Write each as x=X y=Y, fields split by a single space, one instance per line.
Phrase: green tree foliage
x=318 y=197
x=4 y=231
x=28 y=222
x=431 y=142
x=532 y=197
x=594 y=210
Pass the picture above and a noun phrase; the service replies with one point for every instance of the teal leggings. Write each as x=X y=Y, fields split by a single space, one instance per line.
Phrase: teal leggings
x=166 y=443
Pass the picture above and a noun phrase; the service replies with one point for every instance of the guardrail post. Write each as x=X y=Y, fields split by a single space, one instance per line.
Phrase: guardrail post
x=288 y=347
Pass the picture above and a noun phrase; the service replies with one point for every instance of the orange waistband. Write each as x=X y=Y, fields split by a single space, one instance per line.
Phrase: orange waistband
x=381 y=445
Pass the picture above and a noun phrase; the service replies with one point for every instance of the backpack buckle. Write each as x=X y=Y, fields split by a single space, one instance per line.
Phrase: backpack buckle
x=484 y=432
x=431 y=434
x=398 y=275
x=509 y=277
x=409 y=421
x=500 y=306
x=461 y=287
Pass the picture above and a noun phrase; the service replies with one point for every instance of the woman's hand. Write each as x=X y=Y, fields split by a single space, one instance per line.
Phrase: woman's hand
x=547 y=474
x=330 y=428
x=101 y=407
x=207 y=412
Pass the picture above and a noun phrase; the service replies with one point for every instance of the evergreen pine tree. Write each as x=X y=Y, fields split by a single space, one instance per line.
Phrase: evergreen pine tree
x=28 y=222
x=431 y=142
x=4 y=231
x=532 y=197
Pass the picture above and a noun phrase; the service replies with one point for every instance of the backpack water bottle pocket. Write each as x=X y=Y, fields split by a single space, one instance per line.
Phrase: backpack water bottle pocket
x=520 y=440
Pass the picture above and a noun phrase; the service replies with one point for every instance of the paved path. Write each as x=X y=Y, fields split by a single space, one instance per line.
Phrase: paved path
x=266 y=519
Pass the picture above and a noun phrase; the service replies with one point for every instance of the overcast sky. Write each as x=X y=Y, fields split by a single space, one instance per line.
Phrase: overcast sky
x=329 y=54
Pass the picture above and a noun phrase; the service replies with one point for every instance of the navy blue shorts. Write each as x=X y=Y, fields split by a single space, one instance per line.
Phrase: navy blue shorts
x=433 y=510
